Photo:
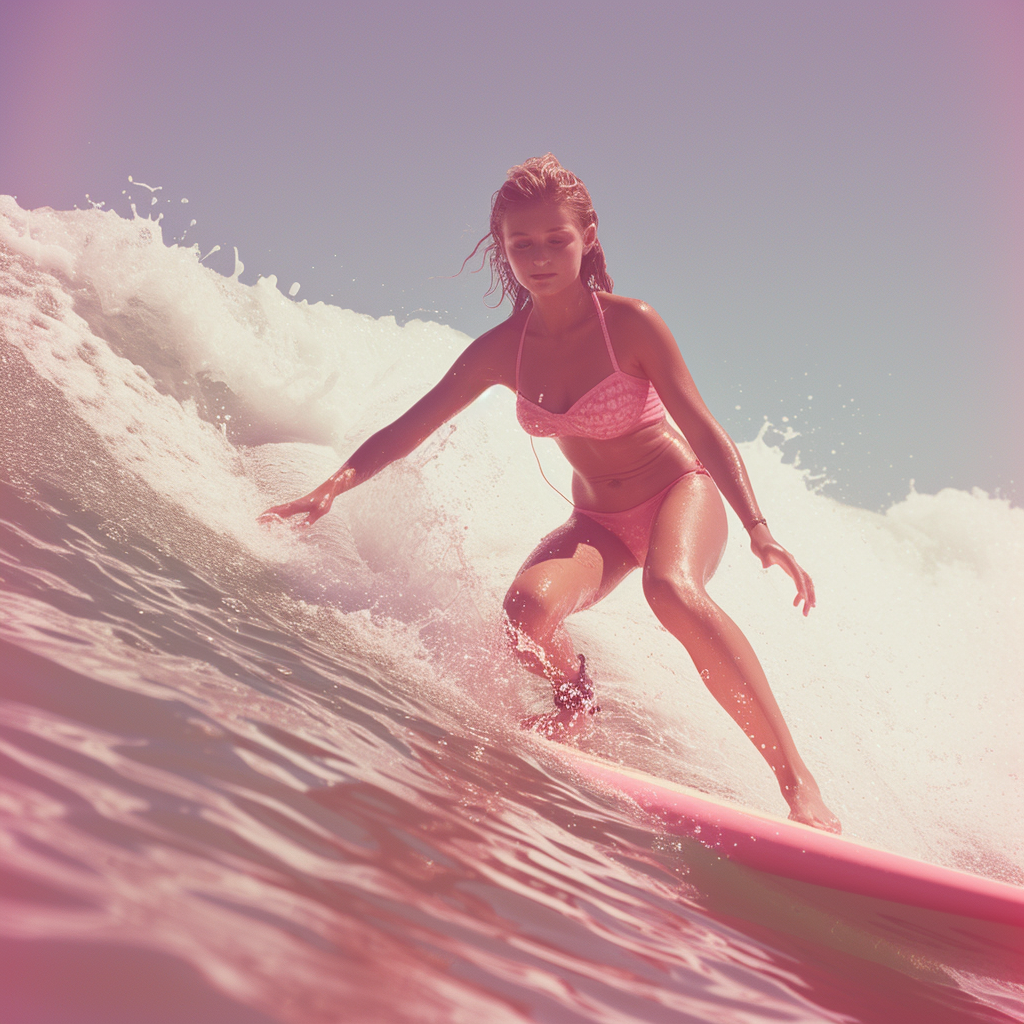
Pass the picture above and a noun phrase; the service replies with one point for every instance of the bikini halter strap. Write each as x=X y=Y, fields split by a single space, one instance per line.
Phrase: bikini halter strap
x=604 y=331
x=522 y=338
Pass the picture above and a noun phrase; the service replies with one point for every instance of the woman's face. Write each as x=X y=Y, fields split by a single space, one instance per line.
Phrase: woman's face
x=545 y=246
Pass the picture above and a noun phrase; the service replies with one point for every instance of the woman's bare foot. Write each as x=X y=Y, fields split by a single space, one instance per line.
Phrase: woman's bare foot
x=807 y=807
x=574 y=701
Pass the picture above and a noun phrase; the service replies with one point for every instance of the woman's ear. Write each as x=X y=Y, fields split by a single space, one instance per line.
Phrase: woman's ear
x=589 y=238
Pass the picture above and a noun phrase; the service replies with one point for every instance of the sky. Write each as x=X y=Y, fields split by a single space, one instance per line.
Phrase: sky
x=824 y=199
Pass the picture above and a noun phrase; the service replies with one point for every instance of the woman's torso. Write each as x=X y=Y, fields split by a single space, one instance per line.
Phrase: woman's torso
x=613 y=433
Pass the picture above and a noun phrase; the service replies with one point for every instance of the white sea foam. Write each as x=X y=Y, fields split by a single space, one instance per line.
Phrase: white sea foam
x=902 y=688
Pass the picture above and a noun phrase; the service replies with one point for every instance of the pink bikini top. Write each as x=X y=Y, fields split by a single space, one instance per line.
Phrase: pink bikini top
x=619 y=405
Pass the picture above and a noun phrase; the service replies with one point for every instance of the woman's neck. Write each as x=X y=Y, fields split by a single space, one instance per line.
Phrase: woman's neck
x=555 y=314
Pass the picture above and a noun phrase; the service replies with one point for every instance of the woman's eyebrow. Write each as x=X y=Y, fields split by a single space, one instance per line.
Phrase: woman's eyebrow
x=557 y=227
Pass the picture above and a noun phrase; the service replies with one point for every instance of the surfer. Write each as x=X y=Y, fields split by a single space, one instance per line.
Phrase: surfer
x=598 y=372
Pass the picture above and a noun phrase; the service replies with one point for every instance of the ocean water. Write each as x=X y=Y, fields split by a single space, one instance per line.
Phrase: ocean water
x=254 y=776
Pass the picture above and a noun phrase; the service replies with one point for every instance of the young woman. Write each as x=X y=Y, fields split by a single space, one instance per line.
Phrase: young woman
x=597 y=372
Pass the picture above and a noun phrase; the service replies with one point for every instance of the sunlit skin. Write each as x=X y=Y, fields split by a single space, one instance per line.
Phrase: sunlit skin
x=564 y=356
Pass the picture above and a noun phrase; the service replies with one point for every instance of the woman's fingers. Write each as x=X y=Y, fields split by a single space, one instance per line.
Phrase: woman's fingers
x=804 y=585
x=312 y=505
x=809 y=602
x=291 y=508
x=778 y=555
x=277 y=512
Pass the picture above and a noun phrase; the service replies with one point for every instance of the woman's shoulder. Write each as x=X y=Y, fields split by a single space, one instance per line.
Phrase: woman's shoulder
x=495 y=350
x=630 y=316
x=502 y=336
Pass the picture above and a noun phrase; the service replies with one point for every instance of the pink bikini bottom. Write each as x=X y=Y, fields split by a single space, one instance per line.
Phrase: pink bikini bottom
x=633 y=525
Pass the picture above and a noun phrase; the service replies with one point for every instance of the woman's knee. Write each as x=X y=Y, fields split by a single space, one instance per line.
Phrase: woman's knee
x=528 y=625
x=677 y=600
x=528 y=611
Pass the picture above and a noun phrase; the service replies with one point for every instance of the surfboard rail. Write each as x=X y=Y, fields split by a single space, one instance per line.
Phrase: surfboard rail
x=792 y=850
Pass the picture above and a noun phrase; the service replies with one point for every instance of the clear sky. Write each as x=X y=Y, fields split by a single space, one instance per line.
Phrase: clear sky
x=823 y=198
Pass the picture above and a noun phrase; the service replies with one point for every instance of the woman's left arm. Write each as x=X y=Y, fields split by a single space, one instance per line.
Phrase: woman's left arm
x=662 y=362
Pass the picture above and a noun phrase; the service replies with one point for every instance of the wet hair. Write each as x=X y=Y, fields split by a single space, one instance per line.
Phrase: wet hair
x=541 y=178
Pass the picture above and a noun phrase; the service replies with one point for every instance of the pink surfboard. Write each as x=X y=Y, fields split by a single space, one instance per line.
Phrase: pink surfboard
x=791 y=850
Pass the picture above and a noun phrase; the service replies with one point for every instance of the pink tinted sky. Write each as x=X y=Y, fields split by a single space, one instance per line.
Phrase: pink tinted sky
x=821 y=198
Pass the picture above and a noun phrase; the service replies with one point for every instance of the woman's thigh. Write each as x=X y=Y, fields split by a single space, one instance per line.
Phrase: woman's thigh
x=572 y=568
x=689 y=533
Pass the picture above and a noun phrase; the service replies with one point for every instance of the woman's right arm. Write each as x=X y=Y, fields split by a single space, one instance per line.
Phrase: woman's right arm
x=481 y=366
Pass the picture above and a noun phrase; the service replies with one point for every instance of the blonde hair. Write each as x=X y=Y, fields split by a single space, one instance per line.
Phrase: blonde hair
x=539 y=178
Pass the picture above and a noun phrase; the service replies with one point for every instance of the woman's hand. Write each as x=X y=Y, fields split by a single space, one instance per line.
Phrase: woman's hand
x=313 y=505
x=771 y=552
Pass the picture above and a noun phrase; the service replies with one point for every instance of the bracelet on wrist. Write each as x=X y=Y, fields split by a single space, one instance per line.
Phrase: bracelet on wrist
x=760 y=521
